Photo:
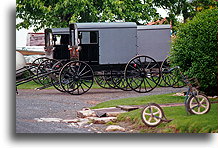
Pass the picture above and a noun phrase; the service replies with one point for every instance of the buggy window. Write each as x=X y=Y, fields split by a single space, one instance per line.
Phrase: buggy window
x=90 y=37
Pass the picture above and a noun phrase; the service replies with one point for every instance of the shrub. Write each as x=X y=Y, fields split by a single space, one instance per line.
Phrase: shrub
x=194 y=49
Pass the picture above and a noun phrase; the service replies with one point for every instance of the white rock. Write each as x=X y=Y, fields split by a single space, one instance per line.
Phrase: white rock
x=178 y=94
x=83 y=122
x=73 y=125
x=86 y=113
x=51 y=119
x=38 y=120
x=71 y=120
x=112 y=128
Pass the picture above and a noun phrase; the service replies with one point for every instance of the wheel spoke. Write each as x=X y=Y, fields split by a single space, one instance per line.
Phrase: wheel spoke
x=158 y=112
x=85 y=73
x=202 y=101
x=203 y=106
x=148 y=114
x=149 y=120
x=194 y=106
x=199 y=109
x=82 y=69
x=156 y=119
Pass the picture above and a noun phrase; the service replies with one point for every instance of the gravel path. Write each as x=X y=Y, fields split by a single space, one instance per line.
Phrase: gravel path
x=50 y=103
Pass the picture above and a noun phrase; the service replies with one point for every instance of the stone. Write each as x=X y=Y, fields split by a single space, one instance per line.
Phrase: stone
x=38 y=119
x=107 y=112
x=83 y=122
x=85 y=113
x=112 y=128
x=127 y=107
x=73 y=125
x=101 y=120
x=51 y=119
x=71 y=120
x=79 y=122
x=178 y=94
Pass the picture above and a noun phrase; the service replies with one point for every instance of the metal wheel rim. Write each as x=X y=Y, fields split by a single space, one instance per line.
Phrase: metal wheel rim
x=100 y=80
x=167 y=79
x=55 y=82
x=34 y=66
x=43 y=68
x=76 y=77
x=145 y=74
x=120 y=81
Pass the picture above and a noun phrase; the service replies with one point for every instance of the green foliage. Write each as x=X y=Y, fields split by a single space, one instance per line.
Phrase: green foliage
x=185 y=8
x=194 y=49
x=204 y=4
x=59 y=13
x=175 y=8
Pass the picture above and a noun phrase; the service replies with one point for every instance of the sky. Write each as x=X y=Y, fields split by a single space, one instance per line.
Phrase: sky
x=21 y=35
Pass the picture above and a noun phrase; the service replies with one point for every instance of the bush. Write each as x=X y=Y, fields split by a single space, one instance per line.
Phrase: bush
x=194 y=49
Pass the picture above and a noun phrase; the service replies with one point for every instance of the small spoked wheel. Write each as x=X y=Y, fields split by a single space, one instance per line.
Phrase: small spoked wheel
x=152 y=115
x=76 y=77
x=44 y=71
x=198 y=104
x=142 y=74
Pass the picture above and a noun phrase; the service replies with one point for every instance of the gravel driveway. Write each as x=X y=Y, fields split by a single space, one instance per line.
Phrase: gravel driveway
x=50 y=103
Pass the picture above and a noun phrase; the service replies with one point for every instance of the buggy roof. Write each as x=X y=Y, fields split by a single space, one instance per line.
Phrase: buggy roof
x=104 y=25
x=60 y=30
x=153 y=27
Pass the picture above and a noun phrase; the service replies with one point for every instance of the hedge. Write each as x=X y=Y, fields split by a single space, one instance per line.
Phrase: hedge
x=194 y=49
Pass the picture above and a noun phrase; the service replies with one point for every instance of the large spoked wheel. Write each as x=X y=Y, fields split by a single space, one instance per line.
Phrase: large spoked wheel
x=170 y=78
x=109 y=79
x=102 y=80
x=34 y=66
x=119 y=80
x=44 y=71
x=55 y=76
x=142 y=74
x=152 y=115
x=76 y=77
x=198 y=104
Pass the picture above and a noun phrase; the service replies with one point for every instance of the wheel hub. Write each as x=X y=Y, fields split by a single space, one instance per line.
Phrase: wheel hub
x=143 y=74
x=76 y=78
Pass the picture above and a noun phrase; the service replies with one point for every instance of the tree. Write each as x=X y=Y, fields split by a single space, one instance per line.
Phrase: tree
x=186 y=8
x=194 y=49
x=204 y=4
x=59 y=13
x=175 y=8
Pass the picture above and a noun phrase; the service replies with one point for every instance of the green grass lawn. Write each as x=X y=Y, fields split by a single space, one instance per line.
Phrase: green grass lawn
x=33 y=85
x=160 y=99
x=182 y=122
